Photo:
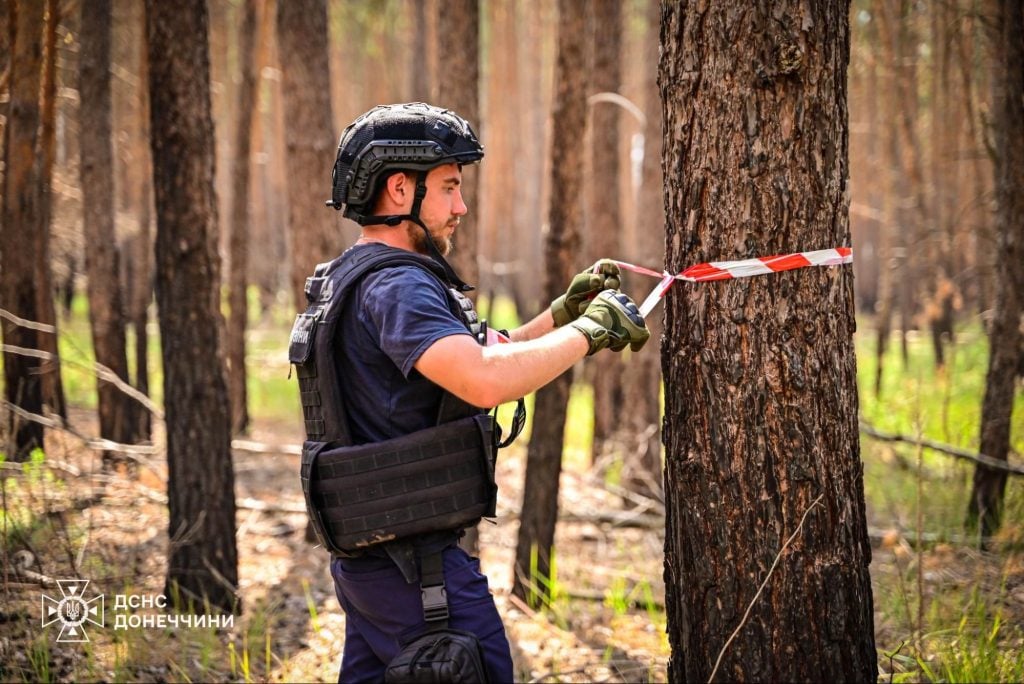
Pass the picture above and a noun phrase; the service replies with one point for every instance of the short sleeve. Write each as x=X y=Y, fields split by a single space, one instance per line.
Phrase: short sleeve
x=409 y=310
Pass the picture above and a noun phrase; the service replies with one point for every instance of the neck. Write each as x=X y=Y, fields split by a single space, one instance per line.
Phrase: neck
x=392 y=237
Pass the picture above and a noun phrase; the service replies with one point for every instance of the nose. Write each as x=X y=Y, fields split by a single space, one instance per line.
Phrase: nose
x=459 y=207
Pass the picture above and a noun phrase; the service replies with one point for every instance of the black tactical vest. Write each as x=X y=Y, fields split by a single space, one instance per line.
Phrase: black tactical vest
x=440 y=478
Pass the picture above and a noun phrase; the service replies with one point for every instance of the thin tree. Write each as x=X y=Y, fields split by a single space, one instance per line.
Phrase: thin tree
x=240 y=223
x=53 y=387
x=202 y=562
x=458 y=89
x=23 y=224
x=643 y=470
x=303 y=54
x=766 y=547
x=604 y=215
x=539 y=511
x=986 y=506
x=102 y=260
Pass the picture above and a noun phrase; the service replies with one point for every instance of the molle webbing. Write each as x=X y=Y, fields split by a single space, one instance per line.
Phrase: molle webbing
x=440 y=478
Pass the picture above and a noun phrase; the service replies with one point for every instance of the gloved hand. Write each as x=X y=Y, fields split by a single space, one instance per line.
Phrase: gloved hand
x=582 y=290
x=612 y=320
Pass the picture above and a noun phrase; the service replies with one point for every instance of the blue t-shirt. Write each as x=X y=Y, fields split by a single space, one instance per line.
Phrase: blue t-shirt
x=391 y=318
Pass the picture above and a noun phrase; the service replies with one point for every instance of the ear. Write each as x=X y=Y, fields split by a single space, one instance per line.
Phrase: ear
x=397 y=187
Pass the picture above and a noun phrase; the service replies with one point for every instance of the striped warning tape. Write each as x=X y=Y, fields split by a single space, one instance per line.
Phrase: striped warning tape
x=722 y=270
x=744 y=268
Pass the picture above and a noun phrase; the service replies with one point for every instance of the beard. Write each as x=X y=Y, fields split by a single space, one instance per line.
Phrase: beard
x=444 y=244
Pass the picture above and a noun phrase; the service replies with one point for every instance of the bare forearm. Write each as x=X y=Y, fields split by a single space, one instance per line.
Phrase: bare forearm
x=488 y=376
x=539 y=325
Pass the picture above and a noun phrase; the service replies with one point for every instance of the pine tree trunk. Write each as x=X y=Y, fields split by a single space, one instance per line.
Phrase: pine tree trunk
x=643 y=470
x=102 y=267
x=302 y=49
x=240 y=223
x=986 y=505
x=203 y=559
x=761 y=399
x=544 y=455
x=53 y=386
x=459 y=90
x=24 y=217
x=604 y=218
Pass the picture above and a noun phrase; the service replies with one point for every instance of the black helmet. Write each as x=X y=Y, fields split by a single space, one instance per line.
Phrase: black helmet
x=399 y=137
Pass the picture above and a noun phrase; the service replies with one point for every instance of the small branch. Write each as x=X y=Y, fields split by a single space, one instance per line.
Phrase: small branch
x=981 y=459
x=23 y=323
x=102 y=372
x=133 y=451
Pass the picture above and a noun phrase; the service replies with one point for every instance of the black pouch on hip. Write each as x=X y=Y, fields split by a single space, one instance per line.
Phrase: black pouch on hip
x=439 y=655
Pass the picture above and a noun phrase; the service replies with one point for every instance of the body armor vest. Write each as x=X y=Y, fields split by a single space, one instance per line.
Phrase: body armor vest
x=440 y=478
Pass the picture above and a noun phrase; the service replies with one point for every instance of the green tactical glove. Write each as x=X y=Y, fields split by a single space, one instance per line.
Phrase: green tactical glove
x=582 y=290
x=612 y=320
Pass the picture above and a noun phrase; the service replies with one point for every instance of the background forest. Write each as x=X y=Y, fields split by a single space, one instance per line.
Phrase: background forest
x=92 y=126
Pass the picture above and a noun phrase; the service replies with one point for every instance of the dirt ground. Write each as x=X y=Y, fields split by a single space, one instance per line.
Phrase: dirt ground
x=606 y=623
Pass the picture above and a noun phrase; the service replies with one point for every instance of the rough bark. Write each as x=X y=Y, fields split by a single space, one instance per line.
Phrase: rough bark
x=987 y=492
x=102 y=261
x=202 y=560
x=239 y=231
x=760 y=373
x=604 y=220
x=310 y=142
x=23 y=224
x=544 y=455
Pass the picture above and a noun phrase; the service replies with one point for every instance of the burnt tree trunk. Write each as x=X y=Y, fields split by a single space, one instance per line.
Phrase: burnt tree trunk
x=761 y=398
x=239 y=232
x=23 y=224
x=985 y=509
x=106 y=311
x=302 y=49
x=539 y=512
x=202 y=560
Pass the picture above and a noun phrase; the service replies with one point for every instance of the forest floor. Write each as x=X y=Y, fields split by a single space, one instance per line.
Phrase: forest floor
x=606 y=621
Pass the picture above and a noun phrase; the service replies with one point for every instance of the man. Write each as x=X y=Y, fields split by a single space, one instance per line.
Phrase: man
x=389 y=336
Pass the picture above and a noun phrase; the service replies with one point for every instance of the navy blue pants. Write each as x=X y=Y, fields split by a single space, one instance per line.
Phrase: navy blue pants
x=382 y=611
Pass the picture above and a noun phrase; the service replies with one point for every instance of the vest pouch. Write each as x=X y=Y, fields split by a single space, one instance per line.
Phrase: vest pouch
x=448 y=656
x=439 y=478
x=300 y=343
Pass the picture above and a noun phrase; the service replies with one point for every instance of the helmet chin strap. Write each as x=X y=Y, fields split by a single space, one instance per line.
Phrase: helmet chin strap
x=414 y=216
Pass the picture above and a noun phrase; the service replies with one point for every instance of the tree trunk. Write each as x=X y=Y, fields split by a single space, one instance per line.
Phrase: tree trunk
x=1004 y=336
x=643 y=469
x=604 y=219
x=459 y=90
x=202 y=560
x=239 y=237
x=53 y=387
x=24 y=217
x=544 y=455
x=302 y=49
x=761 y=397
x=106 y=312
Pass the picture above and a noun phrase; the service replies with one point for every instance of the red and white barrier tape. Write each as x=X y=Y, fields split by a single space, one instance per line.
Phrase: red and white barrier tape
x=722 y=270
x=744 y=268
